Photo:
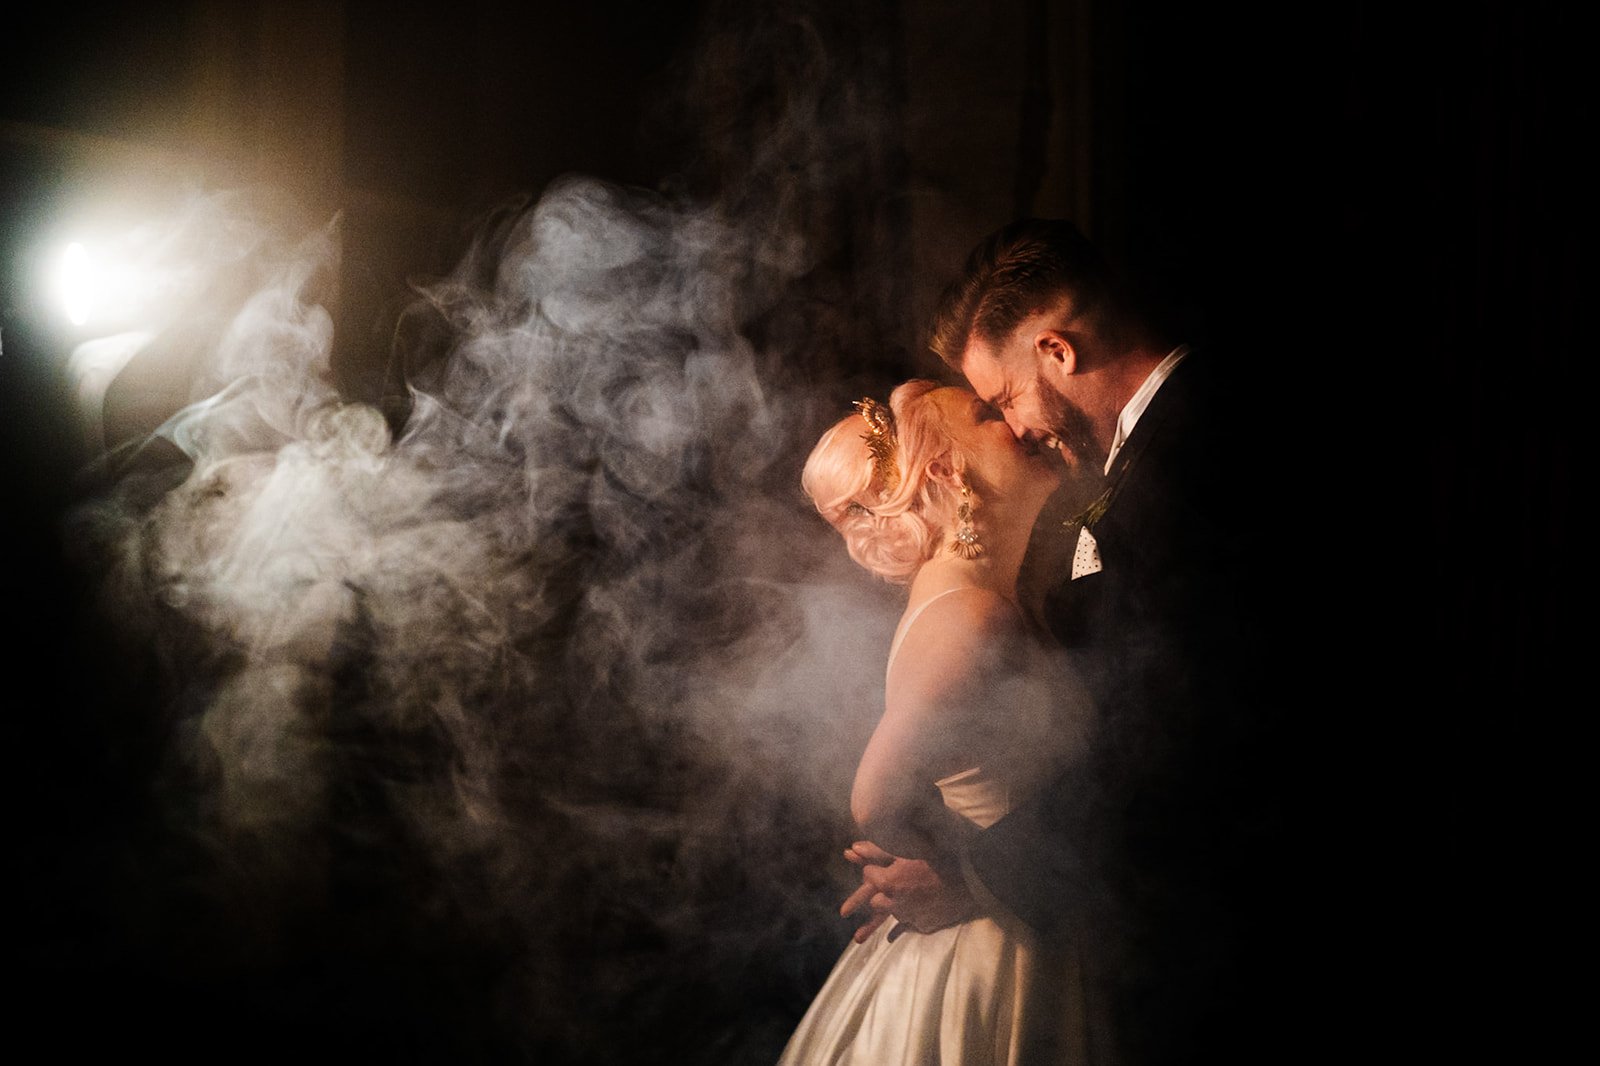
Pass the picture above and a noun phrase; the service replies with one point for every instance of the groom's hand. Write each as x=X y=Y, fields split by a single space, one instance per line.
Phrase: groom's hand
x=921 y=895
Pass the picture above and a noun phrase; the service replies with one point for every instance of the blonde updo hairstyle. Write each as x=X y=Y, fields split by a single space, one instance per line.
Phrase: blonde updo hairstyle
x=890 y=533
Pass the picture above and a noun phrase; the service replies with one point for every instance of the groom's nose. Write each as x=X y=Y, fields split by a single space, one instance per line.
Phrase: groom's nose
x=1018 y=430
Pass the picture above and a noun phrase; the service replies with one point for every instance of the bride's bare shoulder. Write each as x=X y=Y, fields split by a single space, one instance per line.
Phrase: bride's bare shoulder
x=951 y=631
x=966 y=605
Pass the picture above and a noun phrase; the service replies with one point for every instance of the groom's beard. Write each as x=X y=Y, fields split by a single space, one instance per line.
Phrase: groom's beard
x=1068 y=423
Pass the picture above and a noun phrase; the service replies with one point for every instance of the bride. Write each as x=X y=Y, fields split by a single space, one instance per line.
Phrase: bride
x=935 y=491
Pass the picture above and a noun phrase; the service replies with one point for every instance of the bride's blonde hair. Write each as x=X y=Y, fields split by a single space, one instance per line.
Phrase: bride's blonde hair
x=891 y=531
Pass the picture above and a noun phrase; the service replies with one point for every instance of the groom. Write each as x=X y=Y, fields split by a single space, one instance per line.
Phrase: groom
x=1155 y=851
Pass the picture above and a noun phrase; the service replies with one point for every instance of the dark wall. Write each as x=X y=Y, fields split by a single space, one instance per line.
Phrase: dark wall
x=449 y=118
x=1469 y=207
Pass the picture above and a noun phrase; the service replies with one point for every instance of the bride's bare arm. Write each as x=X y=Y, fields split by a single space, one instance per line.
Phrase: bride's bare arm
x=939 y=702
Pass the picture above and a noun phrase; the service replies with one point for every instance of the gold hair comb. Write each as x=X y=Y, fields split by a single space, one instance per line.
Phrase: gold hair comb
x=880 y=441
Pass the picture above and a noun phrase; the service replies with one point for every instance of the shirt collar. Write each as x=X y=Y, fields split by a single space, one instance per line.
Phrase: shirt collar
x=1141 y=399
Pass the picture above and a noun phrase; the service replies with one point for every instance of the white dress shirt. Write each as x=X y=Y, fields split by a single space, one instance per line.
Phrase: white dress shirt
x=1135 y=407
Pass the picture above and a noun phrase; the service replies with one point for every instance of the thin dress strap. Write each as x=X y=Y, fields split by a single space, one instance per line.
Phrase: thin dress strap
x=911 y=620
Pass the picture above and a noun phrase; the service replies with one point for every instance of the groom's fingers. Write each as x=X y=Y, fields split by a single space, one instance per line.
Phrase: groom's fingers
x=872 y=858
x=866 y=852
x=870 y=894
x=879 y=905
x=857 y=899
x=870 y=927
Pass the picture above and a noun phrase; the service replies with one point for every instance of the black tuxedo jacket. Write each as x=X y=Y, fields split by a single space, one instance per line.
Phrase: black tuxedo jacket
x=1151 y=849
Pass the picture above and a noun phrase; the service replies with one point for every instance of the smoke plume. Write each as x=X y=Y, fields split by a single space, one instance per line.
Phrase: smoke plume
x=525 y=721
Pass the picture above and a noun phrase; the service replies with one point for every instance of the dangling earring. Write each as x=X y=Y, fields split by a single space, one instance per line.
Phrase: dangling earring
x=965 y=543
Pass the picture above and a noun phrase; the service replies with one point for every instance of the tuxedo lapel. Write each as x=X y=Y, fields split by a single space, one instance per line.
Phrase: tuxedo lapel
x=1170 y=399
x=1075 y=604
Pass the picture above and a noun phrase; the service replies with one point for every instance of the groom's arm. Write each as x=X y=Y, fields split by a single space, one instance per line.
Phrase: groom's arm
x=1032 y=863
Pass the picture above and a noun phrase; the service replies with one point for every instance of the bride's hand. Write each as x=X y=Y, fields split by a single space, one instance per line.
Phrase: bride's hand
x=917 y=893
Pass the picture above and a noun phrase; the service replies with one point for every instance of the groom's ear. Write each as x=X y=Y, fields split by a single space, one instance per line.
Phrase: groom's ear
x=1054 y=350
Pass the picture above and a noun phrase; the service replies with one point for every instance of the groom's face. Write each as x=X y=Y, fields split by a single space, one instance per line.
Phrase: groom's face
x=1039 y=413
x=1069 y=424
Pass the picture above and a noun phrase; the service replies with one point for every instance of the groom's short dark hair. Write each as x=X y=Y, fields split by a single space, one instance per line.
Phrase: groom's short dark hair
x=1016 y=271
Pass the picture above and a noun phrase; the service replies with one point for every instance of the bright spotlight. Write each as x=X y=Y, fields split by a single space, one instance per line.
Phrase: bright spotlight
x=96 y=290
x=76 y=282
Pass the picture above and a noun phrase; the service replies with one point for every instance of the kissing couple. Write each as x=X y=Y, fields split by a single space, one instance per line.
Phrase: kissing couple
x=1061 y=839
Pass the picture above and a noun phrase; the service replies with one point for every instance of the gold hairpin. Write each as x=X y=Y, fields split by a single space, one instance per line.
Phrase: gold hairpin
x=880 y=441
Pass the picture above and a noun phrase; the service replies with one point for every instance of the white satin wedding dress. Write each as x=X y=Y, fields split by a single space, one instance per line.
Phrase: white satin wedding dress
x=980 y=992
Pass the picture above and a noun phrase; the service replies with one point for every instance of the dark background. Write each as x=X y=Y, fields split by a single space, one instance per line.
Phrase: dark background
x=1375 y=208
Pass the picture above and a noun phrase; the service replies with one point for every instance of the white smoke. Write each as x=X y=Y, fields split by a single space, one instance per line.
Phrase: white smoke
x=574 y=623
x=554 y=680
